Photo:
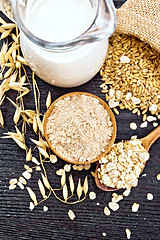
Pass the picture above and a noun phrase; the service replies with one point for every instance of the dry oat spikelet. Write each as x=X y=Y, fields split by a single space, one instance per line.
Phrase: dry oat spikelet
x=79 y=189
x=19 y=143
x=41 y=188
x=48 y=100
x=43 y=152
x=1 y=119
x=29 y=155
x=32 y=195
x=85 y=186
x=17 y=115
x=35 y=125
x=34 y=160
x=71 y=184
x=45 y=181
x=65 y=192
x=63 y=179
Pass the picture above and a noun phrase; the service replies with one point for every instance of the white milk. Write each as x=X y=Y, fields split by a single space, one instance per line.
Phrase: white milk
x=60 y=21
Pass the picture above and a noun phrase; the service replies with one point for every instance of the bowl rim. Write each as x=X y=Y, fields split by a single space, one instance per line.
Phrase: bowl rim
x=105 y=105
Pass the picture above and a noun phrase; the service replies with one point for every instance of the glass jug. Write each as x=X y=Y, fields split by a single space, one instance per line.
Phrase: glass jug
x=64 y=41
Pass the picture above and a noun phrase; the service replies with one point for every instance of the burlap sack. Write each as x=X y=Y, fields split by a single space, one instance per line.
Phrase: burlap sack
x=141 y=18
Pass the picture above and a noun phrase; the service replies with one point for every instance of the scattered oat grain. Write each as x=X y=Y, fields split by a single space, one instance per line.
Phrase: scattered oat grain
x=149 y=196
x=31 y=206
x=67 y=167
x=45 y=208
x=135 y=207
x=13 y=181
x=12 y=186
x=158 y=177
x=151 y=118
x=144 y=124
x=107 y=212
x=71 y=215
x=155 y=124
x=128 y=233
x=113 y=206
x=133 y=126
x=92 y=195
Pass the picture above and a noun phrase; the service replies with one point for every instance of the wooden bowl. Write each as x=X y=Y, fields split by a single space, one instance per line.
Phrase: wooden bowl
x=47 y=114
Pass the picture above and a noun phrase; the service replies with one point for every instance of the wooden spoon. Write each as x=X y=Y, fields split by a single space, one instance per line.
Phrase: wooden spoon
x=146 y=142
x=47 y=114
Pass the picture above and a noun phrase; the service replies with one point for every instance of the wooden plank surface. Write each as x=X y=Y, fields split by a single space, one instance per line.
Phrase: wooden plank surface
x=18 y=222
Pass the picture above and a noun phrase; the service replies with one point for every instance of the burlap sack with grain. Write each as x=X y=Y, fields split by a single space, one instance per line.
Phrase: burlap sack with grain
x=141 y=18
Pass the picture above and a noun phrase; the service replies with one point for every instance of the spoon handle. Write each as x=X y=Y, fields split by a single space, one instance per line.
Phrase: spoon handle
x=151 y=138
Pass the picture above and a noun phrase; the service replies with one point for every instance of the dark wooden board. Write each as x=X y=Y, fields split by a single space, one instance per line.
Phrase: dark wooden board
x=18 y=222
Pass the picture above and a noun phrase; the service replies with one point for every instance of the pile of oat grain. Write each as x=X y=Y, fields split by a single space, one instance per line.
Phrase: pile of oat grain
x=131 y=75
x=79 y=128
x=121 y=167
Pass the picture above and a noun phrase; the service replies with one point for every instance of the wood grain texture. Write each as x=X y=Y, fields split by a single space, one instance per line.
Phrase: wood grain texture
x=17 y=222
